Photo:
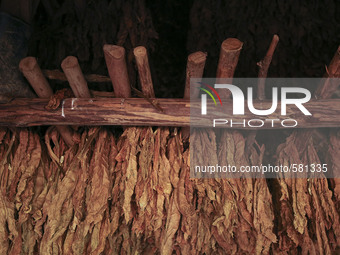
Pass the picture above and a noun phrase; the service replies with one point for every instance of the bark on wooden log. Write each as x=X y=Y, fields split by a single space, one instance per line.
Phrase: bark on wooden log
x=96 y=93
x=116 y=65
x=31 y=70
x=145 y=78
x=60 y=76
x=75 y=77
x=139 y=112
x=324 y=91
x=263 y=71
x=332 y=71
x=230 y=52
x=195 y=68
x=264 y=66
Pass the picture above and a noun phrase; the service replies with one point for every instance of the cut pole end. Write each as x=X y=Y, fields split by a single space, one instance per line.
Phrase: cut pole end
x=276 y=37
x=197 y=57
x=232 y=44
x=28 y=64
x=69 y=62
x=140 y=51
x=115 y=51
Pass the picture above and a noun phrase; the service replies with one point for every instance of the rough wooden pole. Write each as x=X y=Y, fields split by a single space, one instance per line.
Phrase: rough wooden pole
x=229 y=55
x=195 y=68
x=261 y=95
x=139 y=112
x=75 y=77
x=230 y=52
x=31 y=70
x=116 y=65
x=60 y=76
x=145 y=78
x=324 y=91
x=334 y=65
x=327 y=89
x=264 y=66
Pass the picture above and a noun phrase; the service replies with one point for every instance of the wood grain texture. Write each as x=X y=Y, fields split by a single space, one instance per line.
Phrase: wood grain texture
x=31 y=70
x=327 y=89
x=60 y=76
x=264 y=66
x=139 y=112
x=144 y=72
x=195 y=68
x=229 y=54
x=116 y=66
x=75 y=77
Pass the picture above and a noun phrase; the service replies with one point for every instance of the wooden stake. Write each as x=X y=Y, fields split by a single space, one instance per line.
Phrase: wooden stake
x=31 y=70
x=60 y=76
x=230 y=52
x=96 y=93
x=75 y=77
x=195 y=68
x=334 y=66
x=261 y=95
x=142 y=61
x=327 y=89
x=116 y=65
x=264 y=66
x=324 y=91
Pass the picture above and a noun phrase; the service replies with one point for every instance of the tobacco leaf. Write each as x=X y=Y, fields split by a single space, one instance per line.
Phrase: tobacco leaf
x=144 y=192
x=334 y=163
x=171 y=226
x=263 y=207
x=59 y=213
x=33 y=156
x=56 y=99
x=8 y=229
x=131 y=136
x=236 y=208
x=186 y=206
x=314 y=230
x=74 y=200
x=99 y=193
x=99 y=184
x=18 y=163
x=52 y=172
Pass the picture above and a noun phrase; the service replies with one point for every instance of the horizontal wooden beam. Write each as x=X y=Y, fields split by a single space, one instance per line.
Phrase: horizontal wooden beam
x=168 y=112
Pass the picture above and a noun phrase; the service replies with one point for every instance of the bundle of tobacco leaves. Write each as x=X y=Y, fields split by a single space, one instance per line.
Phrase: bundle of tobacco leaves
x=132 y=193
x=334 y=162
x=308 y=219
x=239 y=211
